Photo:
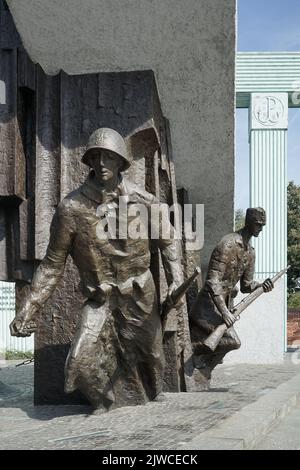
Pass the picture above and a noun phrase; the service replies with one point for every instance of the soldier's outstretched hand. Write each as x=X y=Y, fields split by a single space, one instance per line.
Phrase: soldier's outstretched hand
x=267 y=285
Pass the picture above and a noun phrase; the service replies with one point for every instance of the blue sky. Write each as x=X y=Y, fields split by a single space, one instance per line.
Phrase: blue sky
x=266 y=25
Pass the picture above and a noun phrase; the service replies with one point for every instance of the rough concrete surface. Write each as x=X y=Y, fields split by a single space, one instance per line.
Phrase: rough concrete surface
x=189 y=45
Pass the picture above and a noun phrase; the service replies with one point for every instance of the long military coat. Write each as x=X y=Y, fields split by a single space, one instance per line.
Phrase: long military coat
x=116 y=357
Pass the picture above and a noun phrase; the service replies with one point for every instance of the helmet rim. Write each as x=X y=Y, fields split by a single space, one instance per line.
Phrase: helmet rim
x=86 y=159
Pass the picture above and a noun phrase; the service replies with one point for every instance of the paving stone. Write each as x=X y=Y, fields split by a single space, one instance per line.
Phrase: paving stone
x=170 y=422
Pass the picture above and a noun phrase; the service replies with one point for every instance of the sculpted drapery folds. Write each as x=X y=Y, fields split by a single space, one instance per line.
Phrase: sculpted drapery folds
x=116 y=356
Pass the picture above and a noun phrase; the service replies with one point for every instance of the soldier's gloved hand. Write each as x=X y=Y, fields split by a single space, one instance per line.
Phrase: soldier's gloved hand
x=228 y=318
x=21 y=328
x=267 y=285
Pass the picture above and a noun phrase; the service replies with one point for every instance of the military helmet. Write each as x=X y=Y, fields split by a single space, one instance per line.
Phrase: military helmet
x=107 y=139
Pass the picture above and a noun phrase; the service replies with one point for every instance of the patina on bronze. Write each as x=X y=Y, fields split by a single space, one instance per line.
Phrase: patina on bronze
x=116 y=357
x=232 y=261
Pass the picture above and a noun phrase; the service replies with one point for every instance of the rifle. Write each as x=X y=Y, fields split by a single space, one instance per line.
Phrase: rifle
x=174 y=298
x=215 y=337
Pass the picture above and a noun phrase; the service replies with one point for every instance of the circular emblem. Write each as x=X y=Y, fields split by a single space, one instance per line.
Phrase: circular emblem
x=268 y=110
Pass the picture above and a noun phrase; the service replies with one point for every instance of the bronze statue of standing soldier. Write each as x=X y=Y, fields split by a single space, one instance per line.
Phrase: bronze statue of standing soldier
x=116 y=357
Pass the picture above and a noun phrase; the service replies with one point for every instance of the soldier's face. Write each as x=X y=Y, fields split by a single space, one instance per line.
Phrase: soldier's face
x=105 y=164
x=255 y=227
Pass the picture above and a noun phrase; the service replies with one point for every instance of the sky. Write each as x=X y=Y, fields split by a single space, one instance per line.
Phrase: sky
x=266 y=25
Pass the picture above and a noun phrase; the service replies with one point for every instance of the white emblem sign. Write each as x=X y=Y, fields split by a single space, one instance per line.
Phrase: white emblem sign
x=269 y=111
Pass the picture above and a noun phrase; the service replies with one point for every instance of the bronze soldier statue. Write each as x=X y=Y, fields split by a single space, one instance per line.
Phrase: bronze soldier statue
x=116 y=356
x=232 y=260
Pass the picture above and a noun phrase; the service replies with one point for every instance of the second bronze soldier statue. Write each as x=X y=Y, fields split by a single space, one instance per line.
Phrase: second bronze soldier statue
x=232 y=261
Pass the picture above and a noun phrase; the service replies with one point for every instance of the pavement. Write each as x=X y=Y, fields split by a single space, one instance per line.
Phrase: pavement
x=245 y=404
x=284 y=436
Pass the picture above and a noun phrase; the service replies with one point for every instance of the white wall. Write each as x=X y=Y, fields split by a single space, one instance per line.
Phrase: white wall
x=261 y=329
